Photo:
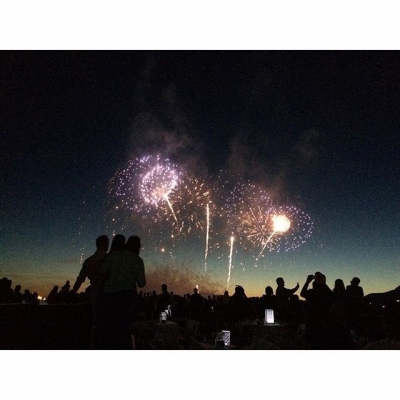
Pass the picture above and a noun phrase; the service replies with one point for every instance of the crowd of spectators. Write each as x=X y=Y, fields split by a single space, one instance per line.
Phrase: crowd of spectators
x=328 y=318
x=8 y=295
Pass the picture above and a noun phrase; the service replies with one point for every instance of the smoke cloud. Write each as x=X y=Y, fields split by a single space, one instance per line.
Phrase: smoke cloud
x=259 y=159
x=181 y=280
x=160 y=126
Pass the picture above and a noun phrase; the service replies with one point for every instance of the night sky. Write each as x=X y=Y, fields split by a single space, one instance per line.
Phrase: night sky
x=318 y=130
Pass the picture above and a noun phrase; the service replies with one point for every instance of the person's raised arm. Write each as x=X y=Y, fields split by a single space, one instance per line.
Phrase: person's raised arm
x=303 y=292
x=295 y=289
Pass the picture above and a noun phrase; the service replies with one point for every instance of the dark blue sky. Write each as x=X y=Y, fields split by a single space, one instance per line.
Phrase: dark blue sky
x=319 y=129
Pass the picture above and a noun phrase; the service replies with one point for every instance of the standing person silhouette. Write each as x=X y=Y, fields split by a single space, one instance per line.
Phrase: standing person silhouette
x=122 y=272
x=283 y=296
x=91 y=268
x=355 y=300
x=268 y=300
x=319 y=300
x=164 y=299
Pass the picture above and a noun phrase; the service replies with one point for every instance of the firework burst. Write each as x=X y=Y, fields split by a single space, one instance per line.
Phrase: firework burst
x=167 y=204
x=274 y=228
x=157 y=182
x=190 y=201
x=139 y=195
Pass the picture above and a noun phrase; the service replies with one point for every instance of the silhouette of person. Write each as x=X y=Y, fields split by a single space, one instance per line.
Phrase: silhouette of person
x=5 y=290
x=133 y=244
x=339 y=292
x=283 y=296
x=53 y=297
x=267 y=301
x=354 y=290
x=35 y=298
x=319 y=301
x=64 y=293
x=66 y=287
x=91 y=268
x=17 y=295
x=239 y=306
x=339 y=326
x=122 y=272
x=225 y=298
x=164 y=299
x=355 y=299
x=196 y=304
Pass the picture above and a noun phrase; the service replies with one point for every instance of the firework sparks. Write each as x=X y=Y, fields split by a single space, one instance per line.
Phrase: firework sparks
x=299 y=228
x=263 y=225
x=157 y=184
x=139 y=195
x=167 y=205
x=190 y=199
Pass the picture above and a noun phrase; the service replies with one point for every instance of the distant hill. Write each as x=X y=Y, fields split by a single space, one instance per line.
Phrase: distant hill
x=384 y=298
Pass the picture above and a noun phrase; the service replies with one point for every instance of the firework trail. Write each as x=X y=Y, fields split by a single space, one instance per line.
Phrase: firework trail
x=228 y=191
x=280 y=224
x=207 y=236
x=230 y=262
x=170 y=206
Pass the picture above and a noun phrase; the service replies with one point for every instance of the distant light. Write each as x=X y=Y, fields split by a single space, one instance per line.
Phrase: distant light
x=383 y=306
x=40 y=298
x=398 y=301
x=162 y=250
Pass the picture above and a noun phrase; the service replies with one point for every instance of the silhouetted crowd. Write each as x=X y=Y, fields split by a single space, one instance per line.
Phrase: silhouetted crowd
x=15 y=296
x=337 y=318
x=56 y=296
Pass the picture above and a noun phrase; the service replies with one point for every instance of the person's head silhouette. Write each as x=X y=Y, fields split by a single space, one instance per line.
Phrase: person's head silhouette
x=280 y=282
x=102 y=243
x=133 y=244
x=118 y=243
x=269 y=291
x=355 y=281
